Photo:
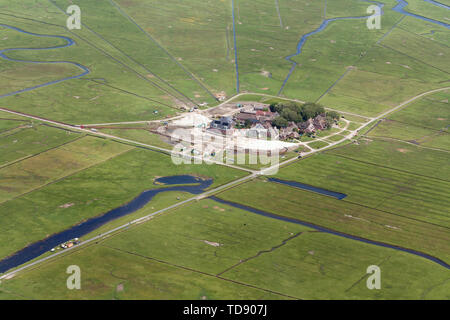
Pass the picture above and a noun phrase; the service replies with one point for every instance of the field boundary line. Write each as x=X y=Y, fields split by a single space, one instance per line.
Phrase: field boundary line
x=422 y=36
x=404 y=141
x=7 y=119
x=371 y=208
x=373 y=127
x=132 y=93
x=43 y=151
x=358 y=60
x=277 y=5
x=110 y=56
x=390 y=30
x=389 y=168
x=417 y=126
x=190 y=74
x=261 y=252
x=235 y=48
x=396 y=214
x=412 y=58
x=198 y=271
x=367 y=274
x=427 y=290
x=334 y=84
x=335 y=232
x=65 y=177
x=405 y=103
x=20 y=126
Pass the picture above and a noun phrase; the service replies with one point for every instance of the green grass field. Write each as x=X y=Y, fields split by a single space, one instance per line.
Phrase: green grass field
x=152 y=60
x=140 y=135
x=229 y=253
x=394 y=155
x=47 y=167
x=8 y=125
x=124 y=276
x=24 y=140
x=320 y=266
x=343 y=216
x=91 y=192
x=375 y=186
x=423 y=122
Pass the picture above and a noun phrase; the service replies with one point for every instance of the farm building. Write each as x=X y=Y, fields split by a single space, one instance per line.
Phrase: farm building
x=224 y=123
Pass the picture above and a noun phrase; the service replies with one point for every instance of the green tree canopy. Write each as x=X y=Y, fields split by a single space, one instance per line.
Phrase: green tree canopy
x=297 y=112
x=280 y=122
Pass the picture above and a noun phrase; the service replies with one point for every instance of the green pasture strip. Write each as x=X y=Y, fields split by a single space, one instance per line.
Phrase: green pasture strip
x=332 y=54
x=398 y=192
x=413 y=134
x=52 y=165
x=431 y=112
x=142 y=136
x=111 y=274
x=197 y=34
x=343 y=216
x=206 y=235
x=400 y=156
x=119 y=31
x=16 y=76
x=92 y=192
x=430 y=31
x=7 y=125
x=428 y=10
x=420 y=48
x=318 y=144
x=322 y=266
x=30 y=141
x=117 y=92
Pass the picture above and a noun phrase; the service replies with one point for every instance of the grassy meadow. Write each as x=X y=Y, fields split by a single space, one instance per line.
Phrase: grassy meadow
x=209 y=250
x=343 y=216
x=149 y=60
x=58 y=205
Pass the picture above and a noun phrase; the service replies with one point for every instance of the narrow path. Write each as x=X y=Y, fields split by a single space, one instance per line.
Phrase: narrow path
x=277 y=5
x=324 y=139
x=192 y=76
x=104 y=135
x=235 y=48
x=153 y=83
x=407 y=142
x=253 y=174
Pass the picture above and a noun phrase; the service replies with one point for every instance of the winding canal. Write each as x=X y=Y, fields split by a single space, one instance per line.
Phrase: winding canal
x=69 y=42
x=182 y=183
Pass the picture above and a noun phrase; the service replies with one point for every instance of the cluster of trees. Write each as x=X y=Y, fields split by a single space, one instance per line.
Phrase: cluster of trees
x=247 y=125
x=297 y=112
